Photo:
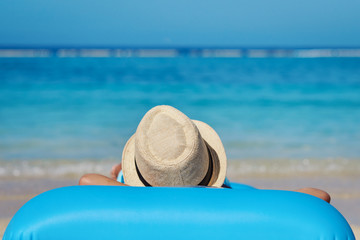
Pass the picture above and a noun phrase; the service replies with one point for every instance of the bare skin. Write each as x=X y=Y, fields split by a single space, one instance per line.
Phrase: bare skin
x=316 y=192
x=97 y=179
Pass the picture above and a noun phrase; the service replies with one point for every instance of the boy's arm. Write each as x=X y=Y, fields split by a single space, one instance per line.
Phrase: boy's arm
x=97 y=179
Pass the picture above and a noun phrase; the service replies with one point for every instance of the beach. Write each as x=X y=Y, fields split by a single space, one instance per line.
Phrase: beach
x=278 y=82
x=285 y=123
x=344 y=190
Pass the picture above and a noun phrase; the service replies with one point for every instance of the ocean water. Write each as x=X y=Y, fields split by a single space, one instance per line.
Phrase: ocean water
x=268 y=110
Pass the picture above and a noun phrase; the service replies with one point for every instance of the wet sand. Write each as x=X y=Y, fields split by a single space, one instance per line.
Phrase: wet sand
x=345 y=191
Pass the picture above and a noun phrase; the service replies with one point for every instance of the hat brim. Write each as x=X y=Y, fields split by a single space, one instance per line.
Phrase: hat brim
x=211 y=139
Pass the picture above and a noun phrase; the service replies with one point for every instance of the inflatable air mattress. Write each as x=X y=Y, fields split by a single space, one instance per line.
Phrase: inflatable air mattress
x=109 y=213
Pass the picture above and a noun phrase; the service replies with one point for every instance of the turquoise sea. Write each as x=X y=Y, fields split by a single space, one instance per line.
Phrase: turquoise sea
x=264 y=109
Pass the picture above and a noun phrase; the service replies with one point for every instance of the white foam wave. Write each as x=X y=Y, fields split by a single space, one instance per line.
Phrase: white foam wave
x=294 y=167
x=237 y=168
x=54 y=168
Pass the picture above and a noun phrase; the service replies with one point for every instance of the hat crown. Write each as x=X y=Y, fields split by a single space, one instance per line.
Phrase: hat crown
x=169 y=149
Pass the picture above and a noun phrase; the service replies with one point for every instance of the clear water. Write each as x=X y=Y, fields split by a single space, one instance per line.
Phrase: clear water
x=267 y=109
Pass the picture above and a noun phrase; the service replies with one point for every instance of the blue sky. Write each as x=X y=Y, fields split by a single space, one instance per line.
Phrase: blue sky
x=253 y=23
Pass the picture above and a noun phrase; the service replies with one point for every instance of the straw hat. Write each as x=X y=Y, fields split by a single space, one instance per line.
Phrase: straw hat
x=170 y=149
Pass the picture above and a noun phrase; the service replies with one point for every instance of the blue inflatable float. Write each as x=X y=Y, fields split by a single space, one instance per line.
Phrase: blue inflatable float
x=108 y=213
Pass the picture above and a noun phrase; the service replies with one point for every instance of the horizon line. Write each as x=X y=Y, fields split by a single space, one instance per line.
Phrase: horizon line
x=177 y=52
x=178 y=47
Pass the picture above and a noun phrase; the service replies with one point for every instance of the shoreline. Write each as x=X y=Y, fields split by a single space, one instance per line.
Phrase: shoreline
x=74 y=168
x=345 y=191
